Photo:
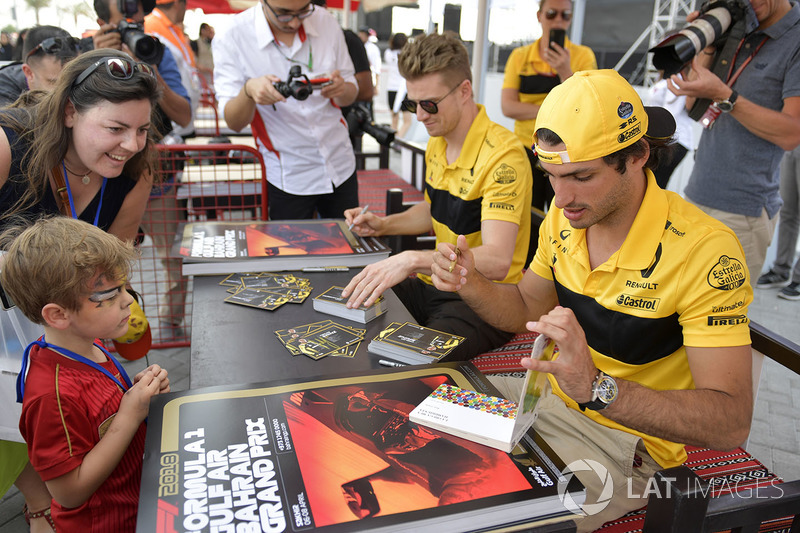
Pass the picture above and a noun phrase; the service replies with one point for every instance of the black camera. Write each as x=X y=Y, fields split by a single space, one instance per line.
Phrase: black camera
x=359 y=119
x=145 y=47
x=298 y=85
x=712 y=27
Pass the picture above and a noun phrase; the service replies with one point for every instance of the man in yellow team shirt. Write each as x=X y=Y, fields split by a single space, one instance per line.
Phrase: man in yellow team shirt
x=645 y=295
x=533 y=70
x=478 y=184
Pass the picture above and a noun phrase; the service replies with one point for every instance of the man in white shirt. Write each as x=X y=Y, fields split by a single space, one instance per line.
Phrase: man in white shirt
x=367 y=36
x=311 y=167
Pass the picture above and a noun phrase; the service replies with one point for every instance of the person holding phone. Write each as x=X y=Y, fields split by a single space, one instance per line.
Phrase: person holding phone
x=533 y=70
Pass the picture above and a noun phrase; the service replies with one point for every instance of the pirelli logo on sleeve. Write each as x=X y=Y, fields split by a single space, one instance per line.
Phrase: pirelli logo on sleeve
x=730 y=320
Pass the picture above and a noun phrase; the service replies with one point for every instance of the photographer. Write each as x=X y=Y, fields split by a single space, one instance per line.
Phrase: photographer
x=735 y=177
x=310 y=162
x=173 y=106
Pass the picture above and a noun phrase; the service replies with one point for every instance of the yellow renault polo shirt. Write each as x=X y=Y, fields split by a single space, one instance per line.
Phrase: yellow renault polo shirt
x=679 y=279
x=490 y=180
x=534 y=78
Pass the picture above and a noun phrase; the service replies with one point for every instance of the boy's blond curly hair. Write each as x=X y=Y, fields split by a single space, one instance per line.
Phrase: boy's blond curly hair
x=54 y=261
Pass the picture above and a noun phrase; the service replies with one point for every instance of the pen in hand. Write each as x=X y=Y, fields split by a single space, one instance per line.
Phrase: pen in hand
x=363 y=210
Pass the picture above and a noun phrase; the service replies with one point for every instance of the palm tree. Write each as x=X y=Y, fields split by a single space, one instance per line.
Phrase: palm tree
x=76 y=10
x=36 y=5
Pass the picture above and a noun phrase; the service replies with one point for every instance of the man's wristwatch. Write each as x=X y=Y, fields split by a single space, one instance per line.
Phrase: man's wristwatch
x=604 y=392
x=726 y=106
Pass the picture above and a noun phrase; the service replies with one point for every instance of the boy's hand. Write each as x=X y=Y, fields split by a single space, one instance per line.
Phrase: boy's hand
x=136 y=401
x=157 y=371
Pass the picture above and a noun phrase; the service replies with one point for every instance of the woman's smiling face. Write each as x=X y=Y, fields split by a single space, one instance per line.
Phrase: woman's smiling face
x=107 y=135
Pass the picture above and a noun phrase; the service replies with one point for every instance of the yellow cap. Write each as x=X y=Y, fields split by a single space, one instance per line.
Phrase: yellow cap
x=597 y=113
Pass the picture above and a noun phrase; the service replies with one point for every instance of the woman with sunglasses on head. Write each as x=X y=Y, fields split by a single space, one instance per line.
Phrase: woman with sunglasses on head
x=85 y=150
x=82 y=150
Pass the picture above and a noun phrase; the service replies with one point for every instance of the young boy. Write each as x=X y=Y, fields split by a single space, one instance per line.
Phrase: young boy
x=82 y=419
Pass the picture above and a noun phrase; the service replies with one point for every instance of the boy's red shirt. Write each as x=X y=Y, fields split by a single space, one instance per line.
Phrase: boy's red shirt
x=66 y=409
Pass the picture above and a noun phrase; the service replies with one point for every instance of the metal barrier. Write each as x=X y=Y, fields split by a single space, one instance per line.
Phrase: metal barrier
x=199 y=182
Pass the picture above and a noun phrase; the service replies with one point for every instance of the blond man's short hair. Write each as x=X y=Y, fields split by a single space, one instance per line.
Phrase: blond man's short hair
x=54 y=261
x=443 y=54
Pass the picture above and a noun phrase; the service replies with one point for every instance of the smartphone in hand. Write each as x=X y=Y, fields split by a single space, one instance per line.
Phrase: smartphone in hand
x=557 y=36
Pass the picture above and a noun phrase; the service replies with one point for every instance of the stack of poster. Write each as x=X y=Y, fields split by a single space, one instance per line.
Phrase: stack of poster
x=211 y=247
x=338 y=454
x=321 y=339
x=413 y=344
x=483 y=418
x=266 y=290
x=333 y=303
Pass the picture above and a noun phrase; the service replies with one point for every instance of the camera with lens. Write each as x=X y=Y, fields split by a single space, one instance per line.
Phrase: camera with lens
x=714 y=26
x=145 y=47
x=298 y=86
x=359 y=119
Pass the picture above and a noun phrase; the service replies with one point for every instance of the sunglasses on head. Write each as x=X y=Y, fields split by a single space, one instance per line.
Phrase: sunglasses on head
x=550 y=14
x=63 y=46
x=287 y=17
x=117 y=67
x=429 y=106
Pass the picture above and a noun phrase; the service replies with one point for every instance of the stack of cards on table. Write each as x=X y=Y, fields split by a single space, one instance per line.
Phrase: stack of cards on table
x=332 y=303
x=413 y=344
x=485 y=419
x=320 y=339
x=266 y=290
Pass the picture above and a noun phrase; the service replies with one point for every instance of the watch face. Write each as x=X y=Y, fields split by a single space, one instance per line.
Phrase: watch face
x=607 y=390
x=725 y=106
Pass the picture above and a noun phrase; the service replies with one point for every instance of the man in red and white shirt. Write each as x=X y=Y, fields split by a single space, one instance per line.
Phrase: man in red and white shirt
x=310 y=162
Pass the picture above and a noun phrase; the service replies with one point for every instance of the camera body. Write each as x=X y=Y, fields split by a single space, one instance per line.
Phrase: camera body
x=359 y=119
x=713 y=27
x=298 y=86
x=145 y=47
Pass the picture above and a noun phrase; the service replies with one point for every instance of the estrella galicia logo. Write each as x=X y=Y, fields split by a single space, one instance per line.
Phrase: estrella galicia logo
x=565 y=233
x=730 y=320
x=728 y=274
x=505 y=174
x=645 y=303
x=625 y=109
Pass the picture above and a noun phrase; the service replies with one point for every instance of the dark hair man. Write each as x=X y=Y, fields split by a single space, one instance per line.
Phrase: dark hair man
x=45 y=52
x=645 y=296
x=311 y=167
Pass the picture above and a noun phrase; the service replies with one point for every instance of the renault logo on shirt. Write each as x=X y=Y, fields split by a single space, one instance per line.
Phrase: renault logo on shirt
x=638 y=302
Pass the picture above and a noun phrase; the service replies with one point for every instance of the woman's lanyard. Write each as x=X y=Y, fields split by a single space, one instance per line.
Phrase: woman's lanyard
x=72 y=355
x=72 y=202
x=731 y=79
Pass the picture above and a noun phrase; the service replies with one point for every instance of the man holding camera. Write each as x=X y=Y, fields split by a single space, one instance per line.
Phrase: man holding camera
x=735 y=177
x=478 y=183
x=173 y=106
x=44 y=53
x=165 y=21
x=311 y=167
